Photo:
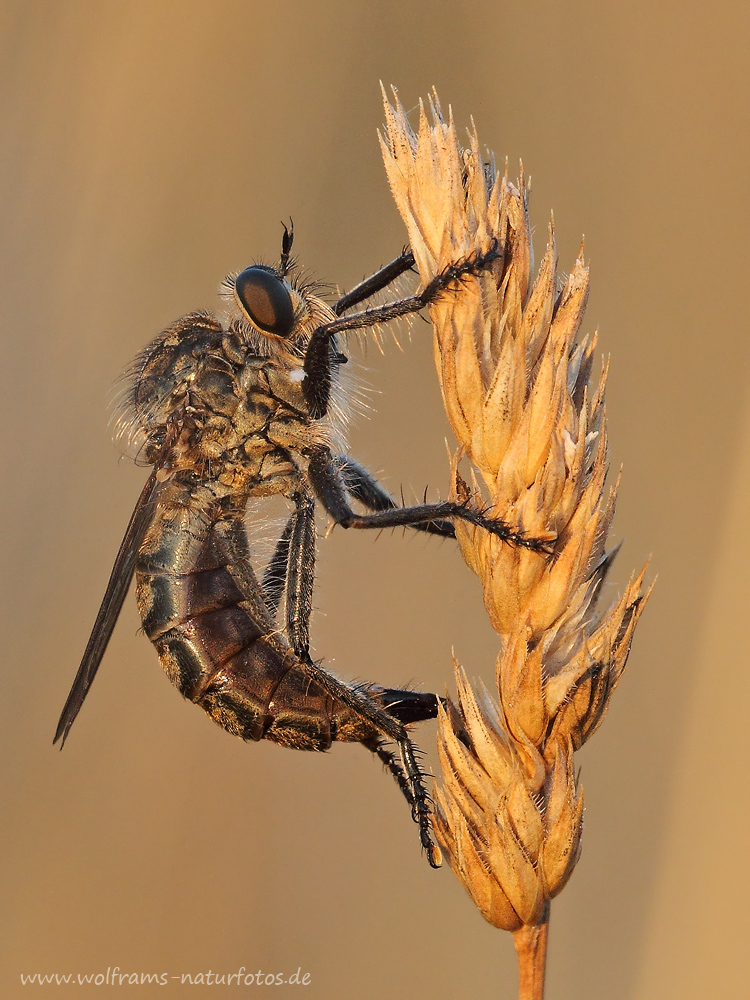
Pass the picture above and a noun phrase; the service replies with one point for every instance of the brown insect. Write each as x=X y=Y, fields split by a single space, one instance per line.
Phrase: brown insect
x=226 y=411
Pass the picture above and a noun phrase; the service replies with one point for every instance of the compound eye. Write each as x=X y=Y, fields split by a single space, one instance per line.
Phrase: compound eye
x=266 y=300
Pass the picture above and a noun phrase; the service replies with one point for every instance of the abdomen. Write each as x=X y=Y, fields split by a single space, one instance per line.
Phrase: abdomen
x=204 y=610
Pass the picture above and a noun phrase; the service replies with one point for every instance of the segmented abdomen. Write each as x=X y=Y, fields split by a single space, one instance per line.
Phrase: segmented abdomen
x=204 y=610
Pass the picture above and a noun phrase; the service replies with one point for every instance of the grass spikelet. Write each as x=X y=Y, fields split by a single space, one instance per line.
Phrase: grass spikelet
x=531 y=429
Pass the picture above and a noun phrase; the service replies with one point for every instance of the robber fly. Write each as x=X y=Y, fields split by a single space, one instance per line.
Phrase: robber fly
x=227 y=411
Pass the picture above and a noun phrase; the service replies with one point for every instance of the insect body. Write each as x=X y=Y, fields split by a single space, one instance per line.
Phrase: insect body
x=226 y=411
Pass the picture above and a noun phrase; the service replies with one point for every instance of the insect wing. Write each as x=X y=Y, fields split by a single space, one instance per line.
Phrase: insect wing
x=109 y=612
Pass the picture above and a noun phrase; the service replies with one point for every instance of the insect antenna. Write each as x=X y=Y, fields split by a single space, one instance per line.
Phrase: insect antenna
x=286 y=246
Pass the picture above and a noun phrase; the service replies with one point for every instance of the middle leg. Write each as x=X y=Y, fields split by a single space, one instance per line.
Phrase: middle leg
x=365 y=488
x=328 y=483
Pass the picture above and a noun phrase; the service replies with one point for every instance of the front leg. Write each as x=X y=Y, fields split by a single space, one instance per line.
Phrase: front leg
x=321 y=353
x=327 y=482
x=376 y=282
x=317 y=365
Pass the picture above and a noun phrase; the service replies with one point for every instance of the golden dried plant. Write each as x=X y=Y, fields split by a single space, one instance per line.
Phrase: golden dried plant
x=515 y=384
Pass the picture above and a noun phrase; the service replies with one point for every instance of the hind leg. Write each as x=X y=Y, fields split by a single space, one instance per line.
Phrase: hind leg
x=291 y=571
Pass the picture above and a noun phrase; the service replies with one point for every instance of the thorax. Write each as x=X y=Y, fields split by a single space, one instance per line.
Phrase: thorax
x=240 y=418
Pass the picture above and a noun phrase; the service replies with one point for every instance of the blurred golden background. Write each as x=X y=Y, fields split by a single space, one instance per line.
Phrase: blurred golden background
x=147 y=148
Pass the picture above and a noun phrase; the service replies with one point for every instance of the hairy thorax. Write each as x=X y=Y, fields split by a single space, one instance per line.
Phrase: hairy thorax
x=240 y=419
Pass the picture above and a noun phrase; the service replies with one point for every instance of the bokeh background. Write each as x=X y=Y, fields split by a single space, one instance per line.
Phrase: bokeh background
x=147 y=147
